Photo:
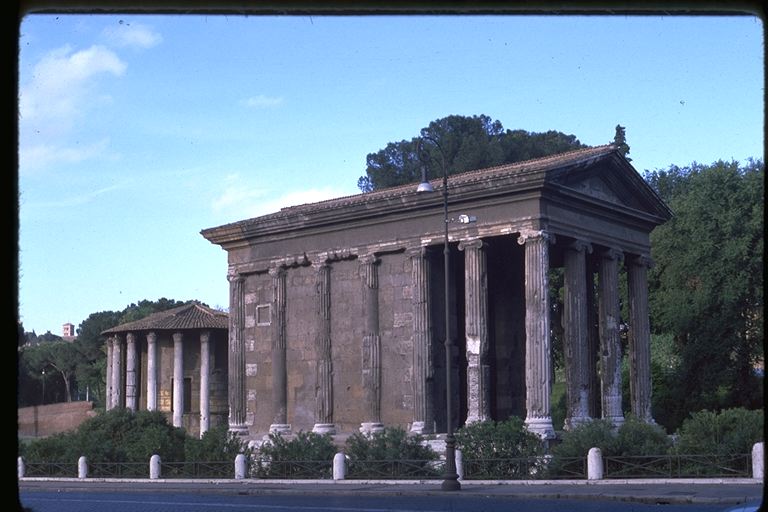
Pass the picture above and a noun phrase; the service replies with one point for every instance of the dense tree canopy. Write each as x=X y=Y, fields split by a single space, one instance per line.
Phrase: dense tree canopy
x=53 y=368
x=706 y=287
x=467 y=143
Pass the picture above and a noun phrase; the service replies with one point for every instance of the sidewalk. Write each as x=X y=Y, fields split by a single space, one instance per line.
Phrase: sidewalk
x=726 y=491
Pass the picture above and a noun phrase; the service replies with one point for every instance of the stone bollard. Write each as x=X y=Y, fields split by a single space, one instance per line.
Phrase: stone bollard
x=595 y=464
x=20 y=467
x=758 y=461
x=154 y=467
x=240 y=466
x=459 y=464
x=82 y=467
x=339 y=466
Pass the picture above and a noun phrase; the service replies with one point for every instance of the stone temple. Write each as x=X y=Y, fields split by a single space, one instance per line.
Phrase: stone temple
x=338 y=309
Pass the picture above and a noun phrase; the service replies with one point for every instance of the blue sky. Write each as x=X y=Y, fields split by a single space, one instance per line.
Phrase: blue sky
x=136 y=132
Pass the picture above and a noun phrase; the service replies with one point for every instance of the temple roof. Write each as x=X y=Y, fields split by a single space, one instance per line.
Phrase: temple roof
x=550 y=171
x=189 y=316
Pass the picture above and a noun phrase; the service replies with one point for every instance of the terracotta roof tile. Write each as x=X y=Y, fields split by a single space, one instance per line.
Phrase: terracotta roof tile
x=518 y=168
x=189 y=316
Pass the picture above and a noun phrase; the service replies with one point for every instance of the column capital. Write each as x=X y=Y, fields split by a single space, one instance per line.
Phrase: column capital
x=276 y=271
x=580 y=245
x=178 y=336
x=151 y=336
x=416 y=251
x=612 y=253
x=130 y=337
x=473 y=243
x=535 y=235
x=369 y=259
x=641 y=260
x=233 y=276
x=205 y=336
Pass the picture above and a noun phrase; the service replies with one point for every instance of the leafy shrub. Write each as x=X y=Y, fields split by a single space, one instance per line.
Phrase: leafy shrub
x=118 y=435
x=390 y=453
x=636 y=437
x=217 y=444
x=576 y=442
x=393 y=443
x=633 y=437
x=303 y=455
x=729 y=432
x=498 y=440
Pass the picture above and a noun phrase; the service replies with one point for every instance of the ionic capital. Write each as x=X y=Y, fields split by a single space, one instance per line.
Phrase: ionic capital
x=532 y=235
x=641 y=261
x=233 y=276
x=579 y=245
x=369 y=259
x=476 y=243
x=613 y=254
x=151 y=337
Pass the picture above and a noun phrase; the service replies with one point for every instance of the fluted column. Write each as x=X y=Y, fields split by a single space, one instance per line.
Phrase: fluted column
x=639 y=338
x=279 y=347
x=593 y=342
x=178 y=379
x=324 y=380
x=117 y=372
x=423 y=369
x=151 y=371
x=131 y=400
x=371 y=349
x=576 y=342
x=236 y=363
x=205 y=382
x=610 y=337
x=538 y=356
x=476 y=327
x=108 y=398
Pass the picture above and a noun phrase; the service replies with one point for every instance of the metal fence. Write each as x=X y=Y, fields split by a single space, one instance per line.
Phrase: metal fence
x=524 y=468
x=678 y=466
x=292 y=469
x=395 y=469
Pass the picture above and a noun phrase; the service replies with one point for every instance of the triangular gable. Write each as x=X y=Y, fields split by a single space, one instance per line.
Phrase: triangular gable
x=611 y=180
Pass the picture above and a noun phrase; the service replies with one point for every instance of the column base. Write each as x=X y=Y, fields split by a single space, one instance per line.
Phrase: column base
x=372 y=427
x=324 y=428
x=575 y=421
x=280 y=428
x=422 y=427
x=238 y=430
x=542 y=427
x=616 y=421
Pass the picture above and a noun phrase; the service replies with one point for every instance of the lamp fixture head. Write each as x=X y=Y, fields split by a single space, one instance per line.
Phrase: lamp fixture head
x=425 y=186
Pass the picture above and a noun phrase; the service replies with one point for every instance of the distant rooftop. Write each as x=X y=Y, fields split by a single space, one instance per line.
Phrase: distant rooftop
x=189 y=316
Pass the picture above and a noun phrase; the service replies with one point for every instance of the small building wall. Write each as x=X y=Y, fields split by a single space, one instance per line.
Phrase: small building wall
x=46 y=420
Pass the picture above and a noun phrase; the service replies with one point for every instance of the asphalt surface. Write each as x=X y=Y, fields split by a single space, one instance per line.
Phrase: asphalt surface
x=726 y=491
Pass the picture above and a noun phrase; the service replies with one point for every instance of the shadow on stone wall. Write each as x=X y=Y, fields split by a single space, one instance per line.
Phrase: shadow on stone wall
x=46 y=420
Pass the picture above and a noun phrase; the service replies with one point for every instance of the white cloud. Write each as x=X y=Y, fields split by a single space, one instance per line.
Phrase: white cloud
x=132 y=35
x=60 y=82
x=240 y=201
x=86 y=197
x=262 y=101
x=39 y=156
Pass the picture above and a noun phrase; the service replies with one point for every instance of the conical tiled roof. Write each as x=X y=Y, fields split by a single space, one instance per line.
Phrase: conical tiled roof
x=189 y=316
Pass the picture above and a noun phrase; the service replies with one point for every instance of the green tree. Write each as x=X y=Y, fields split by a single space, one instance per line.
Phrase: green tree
x=60 y=356
x=706 y=288
x=466 y=142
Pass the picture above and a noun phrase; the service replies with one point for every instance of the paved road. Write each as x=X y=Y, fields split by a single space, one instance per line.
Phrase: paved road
x=711 y=494
x=46 y=501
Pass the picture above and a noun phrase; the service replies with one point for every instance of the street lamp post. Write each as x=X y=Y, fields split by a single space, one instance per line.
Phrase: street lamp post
x=450 y=477
x=43 y=399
